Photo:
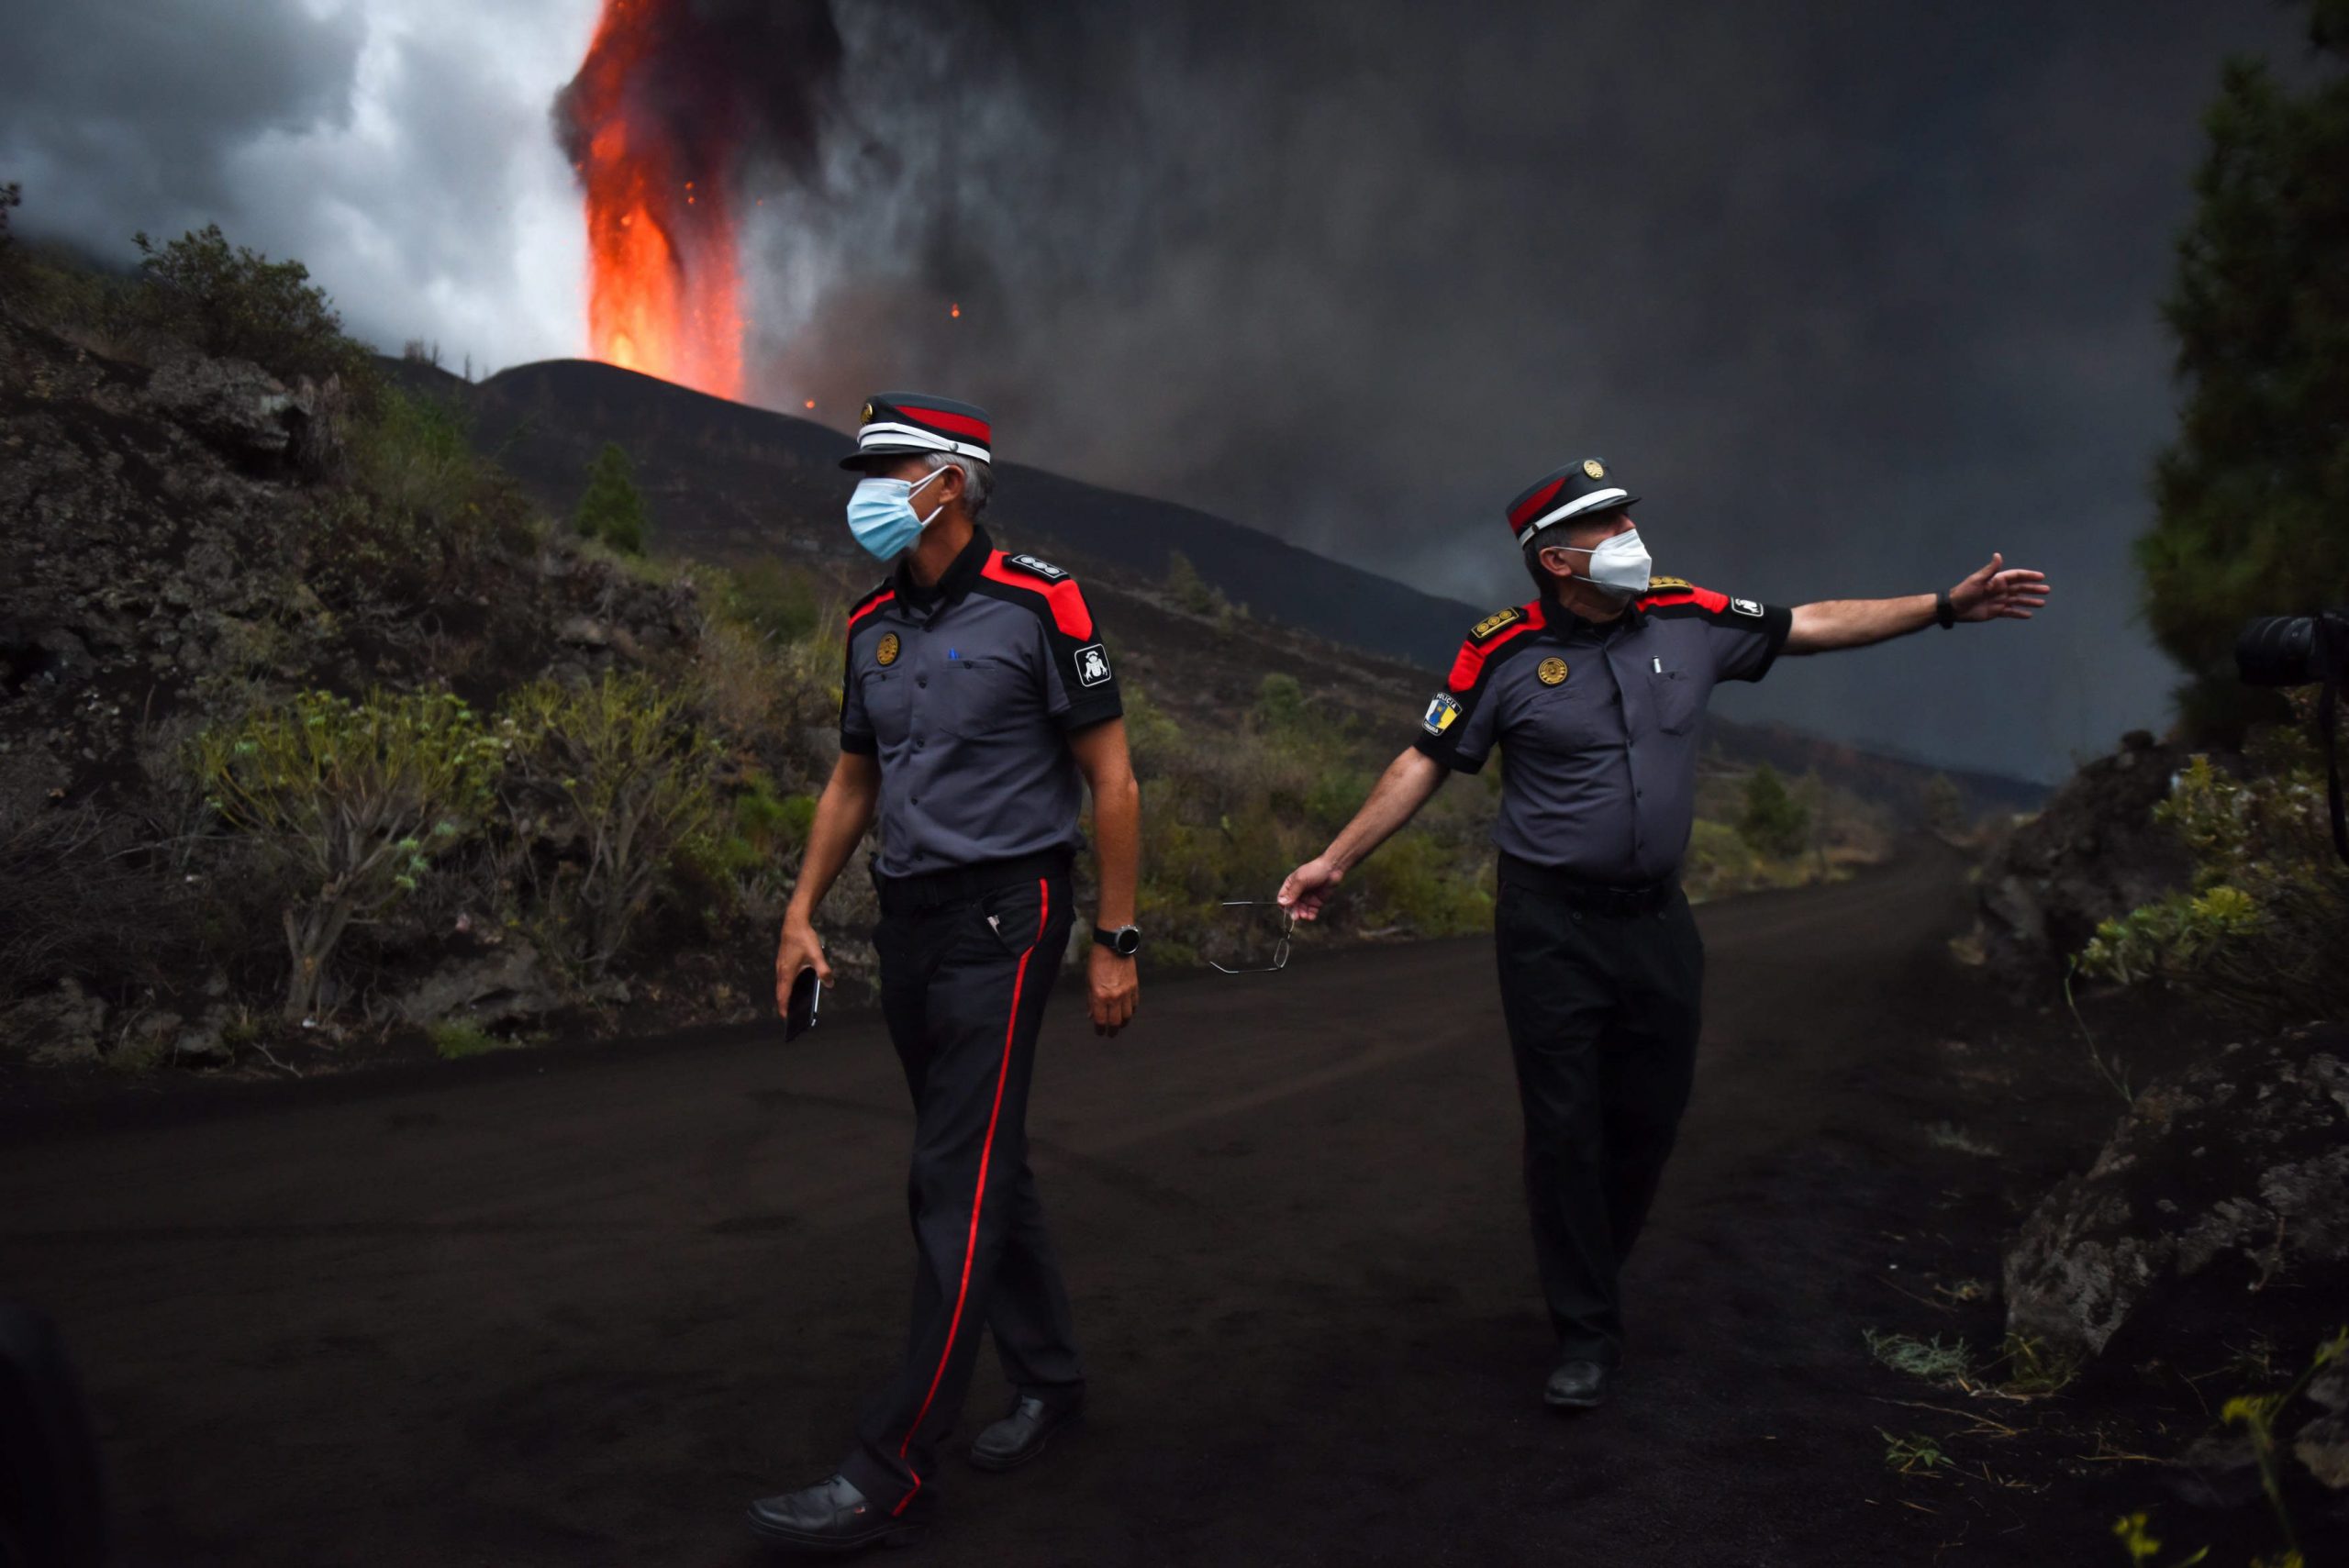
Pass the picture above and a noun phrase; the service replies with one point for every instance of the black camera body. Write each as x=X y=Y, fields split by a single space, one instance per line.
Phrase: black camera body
x=2294 y=650
x=2300 y=650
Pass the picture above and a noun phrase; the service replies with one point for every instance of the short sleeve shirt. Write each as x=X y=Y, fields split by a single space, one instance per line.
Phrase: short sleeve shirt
x=967 y=695
x=1600 y=722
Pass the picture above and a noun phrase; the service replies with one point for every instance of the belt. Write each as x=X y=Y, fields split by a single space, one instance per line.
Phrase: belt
x=1581 y=893
x=960 y=884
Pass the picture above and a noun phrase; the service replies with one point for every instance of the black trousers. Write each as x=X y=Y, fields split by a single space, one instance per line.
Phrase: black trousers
x=1602 y=1013
x=964 y=987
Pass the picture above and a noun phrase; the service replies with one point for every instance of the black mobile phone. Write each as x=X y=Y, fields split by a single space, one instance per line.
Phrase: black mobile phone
x=807 y=995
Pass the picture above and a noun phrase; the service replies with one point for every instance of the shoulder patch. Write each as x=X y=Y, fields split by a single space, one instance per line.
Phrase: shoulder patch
x=1656 y=583
x=1484 y=630
x=1035 y=566
x=1061 y=598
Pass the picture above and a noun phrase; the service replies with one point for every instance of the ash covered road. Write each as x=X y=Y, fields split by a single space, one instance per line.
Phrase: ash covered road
x=580 y=1308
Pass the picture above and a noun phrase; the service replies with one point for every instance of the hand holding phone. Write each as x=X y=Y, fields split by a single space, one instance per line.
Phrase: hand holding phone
x=806 y=996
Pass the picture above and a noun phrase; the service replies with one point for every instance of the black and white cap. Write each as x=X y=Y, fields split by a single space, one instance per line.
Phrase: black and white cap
x=900 y=422
x=1577 y=490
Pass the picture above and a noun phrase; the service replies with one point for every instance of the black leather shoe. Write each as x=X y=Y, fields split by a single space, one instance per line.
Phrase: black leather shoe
x=1578 y=1384
x=1021 y=1435
x=834 y=1516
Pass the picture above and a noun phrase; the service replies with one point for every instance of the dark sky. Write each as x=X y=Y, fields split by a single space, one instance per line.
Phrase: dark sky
x=1852 y=293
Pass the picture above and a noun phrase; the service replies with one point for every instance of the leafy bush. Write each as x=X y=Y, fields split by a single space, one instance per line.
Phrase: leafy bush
x=237 y=302
x=2264 y=932
x=354 y=802
x=1192 y=592
x=780 y=602
x=453 y=1039
x=620 y=777
x=611 y=511
x=1774 y=823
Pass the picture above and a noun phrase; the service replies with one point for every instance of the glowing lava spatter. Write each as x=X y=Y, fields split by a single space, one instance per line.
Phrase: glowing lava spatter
x=663 y=287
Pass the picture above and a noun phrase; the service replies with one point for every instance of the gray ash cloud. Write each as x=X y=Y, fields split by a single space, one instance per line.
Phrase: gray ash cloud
x=1854 y=294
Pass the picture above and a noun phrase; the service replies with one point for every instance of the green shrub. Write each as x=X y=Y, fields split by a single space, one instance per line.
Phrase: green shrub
x=1417 y=883
x=355 y=802
x=1192 y=592
x=237 y=302
x=2264 y=932
x=453 y=1039
x=781 y=603
x=611 y=510
x=618 y=772
x=1776 y=822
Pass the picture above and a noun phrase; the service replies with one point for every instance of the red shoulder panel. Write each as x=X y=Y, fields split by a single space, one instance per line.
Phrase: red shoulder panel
x=1069 y=612
x=1474 y=654
x=1690 y=594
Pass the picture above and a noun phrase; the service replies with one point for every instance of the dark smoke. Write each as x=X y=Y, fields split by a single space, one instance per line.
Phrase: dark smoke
x=1852 y=293
x=732 y=84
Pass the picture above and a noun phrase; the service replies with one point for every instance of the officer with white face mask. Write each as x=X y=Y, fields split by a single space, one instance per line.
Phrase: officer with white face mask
x=1595 y=690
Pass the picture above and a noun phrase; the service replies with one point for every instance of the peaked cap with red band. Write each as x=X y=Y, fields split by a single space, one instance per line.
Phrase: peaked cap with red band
x=897 y=423
x=1577 y=490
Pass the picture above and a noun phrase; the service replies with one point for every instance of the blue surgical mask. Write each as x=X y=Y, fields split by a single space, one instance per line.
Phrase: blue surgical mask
x=1619 y=563
x=881 y=515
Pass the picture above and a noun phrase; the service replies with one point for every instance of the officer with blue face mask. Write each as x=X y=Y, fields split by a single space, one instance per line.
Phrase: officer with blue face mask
x=1594 y=690
x=976 y=698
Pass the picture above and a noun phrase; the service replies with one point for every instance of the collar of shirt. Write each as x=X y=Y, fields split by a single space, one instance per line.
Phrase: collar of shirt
x=1566 y=623
x=952 y=585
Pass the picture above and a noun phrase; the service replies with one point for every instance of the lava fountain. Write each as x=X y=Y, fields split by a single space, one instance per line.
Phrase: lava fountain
x=657 y=166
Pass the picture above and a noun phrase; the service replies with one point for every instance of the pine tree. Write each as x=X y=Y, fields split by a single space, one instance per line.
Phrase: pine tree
x=2252 y=498
x=611 y=510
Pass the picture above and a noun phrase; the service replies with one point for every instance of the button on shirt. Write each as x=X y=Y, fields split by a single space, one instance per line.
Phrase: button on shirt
x=967 y=692
x=1600 y=722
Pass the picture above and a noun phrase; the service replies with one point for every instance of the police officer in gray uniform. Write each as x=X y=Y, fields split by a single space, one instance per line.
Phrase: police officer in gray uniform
x=1594 y=690
x=975 y=697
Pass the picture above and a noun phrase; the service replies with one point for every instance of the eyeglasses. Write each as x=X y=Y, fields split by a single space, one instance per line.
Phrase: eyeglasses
x=1280 y=948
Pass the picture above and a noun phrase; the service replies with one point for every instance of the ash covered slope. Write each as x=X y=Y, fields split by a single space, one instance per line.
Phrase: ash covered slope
x=729 y=479
x=729 y=483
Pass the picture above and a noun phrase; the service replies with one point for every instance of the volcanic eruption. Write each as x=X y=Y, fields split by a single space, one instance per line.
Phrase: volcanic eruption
x=676 y=102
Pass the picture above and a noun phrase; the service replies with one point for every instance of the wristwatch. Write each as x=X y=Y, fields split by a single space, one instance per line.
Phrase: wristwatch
x=1944 y=612
x=1125 y=941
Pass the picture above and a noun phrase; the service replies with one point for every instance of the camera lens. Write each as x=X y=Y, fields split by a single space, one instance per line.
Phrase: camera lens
x=2276 y=650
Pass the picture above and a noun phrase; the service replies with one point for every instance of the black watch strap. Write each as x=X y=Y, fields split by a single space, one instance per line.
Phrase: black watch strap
x=1125 y=941
x=1944 y=613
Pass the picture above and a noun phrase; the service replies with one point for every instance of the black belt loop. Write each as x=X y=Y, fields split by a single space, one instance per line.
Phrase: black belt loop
x=1620 y=899
x=960 y=884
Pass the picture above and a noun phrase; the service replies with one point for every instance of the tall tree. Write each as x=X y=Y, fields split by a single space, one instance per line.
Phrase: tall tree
x=2252 y=498
x=612 y=510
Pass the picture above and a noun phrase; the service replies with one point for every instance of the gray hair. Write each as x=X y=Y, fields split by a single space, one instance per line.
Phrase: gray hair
x=978 y=478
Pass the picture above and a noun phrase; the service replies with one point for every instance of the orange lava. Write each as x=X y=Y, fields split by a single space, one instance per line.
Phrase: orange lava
x=663 y=288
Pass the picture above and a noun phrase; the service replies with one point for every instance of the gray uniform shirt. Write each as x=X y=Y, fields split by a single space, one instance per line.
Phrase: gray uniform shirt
x=1600 y=722
x=967 y=695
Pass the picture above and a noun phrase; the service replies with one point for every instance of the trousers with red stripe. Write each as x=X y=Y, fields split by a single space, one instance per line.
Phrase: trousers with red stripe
x=963 y=988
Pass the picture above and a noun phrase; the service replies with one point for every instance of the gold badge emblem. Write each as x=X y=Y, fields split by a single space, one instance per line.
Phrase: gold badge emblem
x=886 y=653
x=1551 y=671
x=867 y=419
x=1591 y=466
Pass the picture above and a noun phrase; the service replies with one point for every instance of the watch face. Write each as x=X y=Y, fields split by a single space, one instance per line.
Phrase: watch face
x=1128 y=941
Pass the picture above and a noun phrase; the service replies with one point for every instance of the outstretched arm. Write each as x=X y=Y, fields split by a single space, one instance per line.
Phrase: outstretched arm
x=1995 y=592
x=1402 y=790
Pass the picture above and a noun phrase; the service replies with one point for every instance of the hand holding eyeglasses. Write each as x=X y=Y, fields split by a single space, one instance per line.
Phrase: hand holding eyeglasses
x=1280 y=948
x=1308 y=887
